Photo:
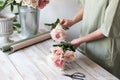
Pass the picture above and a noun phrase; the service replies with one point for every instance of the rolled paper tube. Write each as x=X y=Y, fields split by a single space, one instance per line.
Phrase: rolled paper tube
x=25 y=42
x=29 y=42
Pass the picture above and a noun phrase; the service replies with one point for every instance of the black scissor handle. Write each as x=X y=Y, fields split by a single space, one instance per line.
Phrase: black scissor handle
x=76 y=76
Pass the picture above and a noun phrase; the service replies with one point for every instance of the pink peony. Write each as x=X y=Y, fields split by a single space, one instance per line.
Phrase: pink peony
x=58 y=34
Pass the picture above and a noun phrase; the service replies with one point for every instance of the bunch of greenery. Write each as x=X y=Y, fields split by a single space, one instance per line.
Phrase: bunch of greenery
x=54 y=24
x=65 y=46
x=11 y=3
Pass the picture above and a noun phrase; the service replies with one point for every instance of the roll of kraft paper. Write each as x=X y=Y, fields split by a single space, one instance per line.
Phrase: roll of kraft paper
x=29 y=42
x=24 y=43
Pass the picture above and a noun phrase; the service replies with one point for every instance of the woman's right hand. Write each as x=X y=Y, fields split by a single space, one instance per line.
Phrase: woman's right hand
x=76 y=42
x=66 y=23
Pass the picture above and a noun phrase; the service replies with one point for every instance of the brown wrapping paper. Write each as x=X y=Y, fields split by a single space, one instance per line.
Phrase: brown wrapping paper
x=29 y=42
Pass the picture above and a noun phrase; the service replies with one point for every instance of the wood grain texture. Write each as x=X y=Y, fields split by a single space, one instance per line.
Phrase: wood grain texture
x=7 y=70
x=32 y=63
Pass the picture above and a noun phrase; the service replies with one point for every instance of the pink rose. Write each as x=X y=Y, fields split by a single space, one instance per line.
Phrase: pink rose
x=58 y=34
x=57 y=51
x=69 y=56
x=42 y=3
x=32 y=3
x=35 y=3
x=59 y=63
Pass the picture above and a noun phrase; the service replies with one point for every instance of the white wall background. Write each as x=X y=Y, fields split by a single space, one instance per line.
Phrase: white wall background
x=61 y=9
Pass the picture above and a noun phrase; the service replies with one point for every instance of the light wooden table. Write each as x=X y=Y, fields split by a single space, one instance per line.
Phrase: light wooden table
x=31 y=64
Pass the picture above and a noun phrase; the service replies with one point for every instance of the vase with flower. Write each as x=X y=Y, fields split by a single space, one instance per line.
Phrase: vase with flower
x=6 y=23
x=29 y=16
x=28 y=11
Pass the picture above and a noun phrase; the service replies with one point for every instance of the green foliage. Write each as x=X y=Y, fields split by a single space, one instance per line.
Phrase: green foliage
x=3 y=4
x=11 y=3
x=17 y=27
x=66 y=46
x=54 y=24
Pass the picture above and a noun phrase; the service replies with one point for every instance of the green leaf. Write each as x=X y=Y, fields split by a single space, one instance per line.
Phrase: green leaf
x=3 y=5
x=65 y=28
x=53 y=25
x=17 y=27
x=65 y=45
x=16 y=13
x=20 y=3
x=14 y=2
x=57 y=21
x=11 y=7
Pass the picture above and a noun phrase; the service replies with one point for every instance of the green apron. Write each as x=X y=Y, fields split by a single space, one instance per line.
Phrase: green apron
x=103 y=15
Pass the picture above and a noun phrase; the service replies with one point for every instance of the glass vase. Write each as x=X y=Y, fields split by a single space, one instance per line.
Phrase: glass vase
x=29 y=20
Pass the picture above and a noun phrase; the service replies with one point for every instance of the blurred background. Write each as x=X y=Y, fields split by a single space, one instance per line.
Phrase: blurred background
x=60 y=9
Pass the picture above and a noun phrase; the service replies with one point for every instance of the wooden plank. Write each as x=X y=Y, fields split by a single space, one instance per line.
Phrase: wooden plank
x=40 y=61
x=25 y=67
x=43 y=50
x=91 y=67
x=31 y=64
x=7 y=69
x=95 y=70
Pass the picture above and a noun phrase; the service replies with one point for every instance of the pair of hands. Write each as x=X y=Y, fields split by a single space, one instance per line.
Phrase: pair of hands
x=64 y=22
x=69 y=23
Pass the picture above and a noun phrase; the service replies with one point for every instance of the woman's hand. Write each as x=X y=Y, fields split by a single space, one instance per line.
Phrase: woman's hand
x=66 y=23
x=76 y=42
x=42 y=3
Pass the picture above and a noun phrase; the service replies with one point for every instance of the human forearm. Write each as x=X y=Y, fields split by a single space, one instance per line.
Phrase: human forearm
x=92 y=36
x=69 y=23
x=78 y=17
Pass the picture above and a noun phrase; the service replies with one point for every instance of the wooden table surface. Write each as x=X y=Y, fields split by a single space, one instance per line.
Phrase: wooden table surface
x=31 y=64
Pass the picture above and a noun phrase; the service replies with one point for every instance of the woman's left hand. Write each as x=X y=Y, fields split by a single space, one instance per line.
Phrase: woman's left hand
x=42 y=3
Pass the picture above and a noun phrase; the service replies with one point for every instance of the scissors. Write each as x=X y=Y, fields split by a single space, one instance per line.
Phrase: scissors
x=76 y=76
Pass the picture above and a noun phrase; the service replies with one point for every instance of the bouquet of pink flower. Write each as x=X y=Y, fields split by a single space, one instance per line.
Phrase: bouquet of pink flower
x=62 y=53
x=31 y=3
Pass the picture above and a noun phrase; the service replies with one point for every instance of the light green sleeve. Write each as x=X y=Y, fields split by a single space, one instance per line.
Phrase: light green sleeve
x=111 y=23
